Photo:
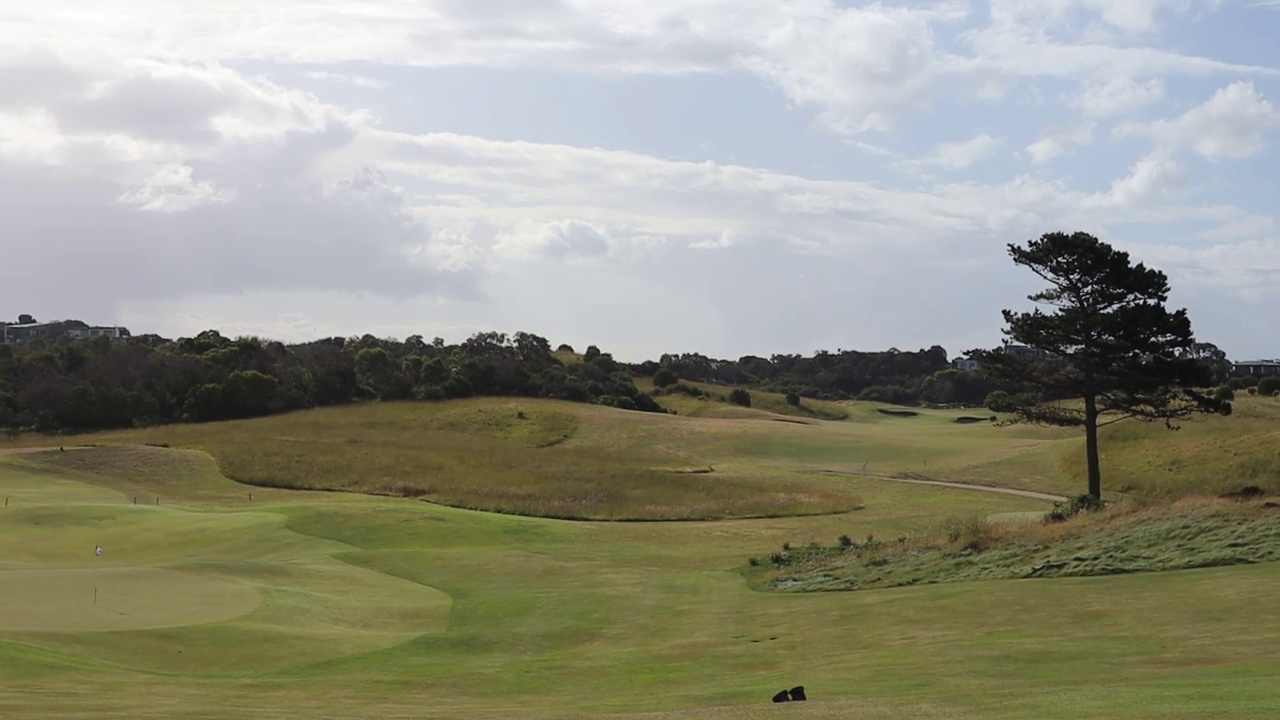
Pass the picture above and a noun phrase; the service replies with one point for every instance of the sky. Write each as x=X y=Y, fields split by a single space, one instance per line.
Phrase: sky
x=728 y=177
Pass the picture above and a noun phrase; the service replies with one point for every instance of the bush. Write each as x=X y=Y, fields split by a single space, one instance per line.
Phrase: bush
x=846 y=541
x=793 y=399
x=1268 y=387
x=740 y=396
x=1073 y=507
x=688 y=389
x=565 y=348
x=1225 y=393
x=889 y=394
x=664 y=378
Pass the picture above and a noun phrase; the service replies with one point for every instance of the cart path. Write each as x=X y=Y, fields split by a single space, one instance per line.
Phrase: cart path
x=950 y=484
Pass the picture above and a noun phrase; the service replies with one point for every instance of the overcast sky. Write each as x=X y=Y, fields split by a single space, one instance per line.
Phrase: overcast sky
x=720 y=176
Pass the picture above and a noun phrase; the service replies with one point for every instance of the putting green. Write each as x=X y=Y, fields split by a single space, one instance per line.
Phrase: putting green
x=128 y=598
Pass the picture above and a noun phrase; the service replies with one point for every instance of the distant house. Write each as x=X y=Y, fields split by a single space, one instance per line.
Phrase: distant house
x=18 y=334
x=1027 y=352
x=1258 y=367
x=27 y=331
x=113 y=332
x=965 y=364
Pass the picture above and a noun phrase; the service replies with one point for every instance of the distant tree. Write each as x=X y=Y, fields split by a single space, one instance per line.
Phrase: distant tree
x=565 y=348
x=592 y=353
x=25 y=319
x=1212 y=356
x=1113 y=350
x=793 y=399
x=740 y=396
x=664 y=378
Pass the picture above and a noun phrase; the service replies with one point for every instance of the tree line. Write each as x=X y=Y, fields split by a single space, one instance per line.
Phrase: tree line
x=56 y=384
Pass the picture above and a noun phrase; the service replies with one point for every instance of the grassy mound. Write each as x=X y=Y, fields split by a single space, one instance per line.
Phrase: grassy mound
x=713 y=401
x=1192 y=533
x=527 y=458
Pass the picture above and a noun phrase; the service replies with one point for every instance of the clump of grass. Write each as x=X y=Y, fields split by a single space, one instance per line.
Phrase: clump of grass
x=1123 y=537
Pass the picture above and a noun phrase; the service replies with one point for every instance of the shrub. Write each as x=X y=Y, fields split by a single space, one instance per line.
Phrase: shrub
x=970 y=532
x=1268 y=387
x=740 y=396
x=1225 y=393
x=687 y=389
x=890 y=394
x=846 y=541
x=753 y=561
x=664 y=378
x=793 y=399
x=1073 y=507
x=565 y=347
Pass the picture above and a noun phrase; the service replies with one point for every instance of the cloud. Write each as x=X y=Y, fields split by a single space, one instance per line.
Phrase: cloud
x=567 y=239
x=1234 y=123
x=147 y=159
x=960 y=155
x=153 y=181
x=1060 y=141
x=1152 y=179
x=861 y=67
x=1117 y=96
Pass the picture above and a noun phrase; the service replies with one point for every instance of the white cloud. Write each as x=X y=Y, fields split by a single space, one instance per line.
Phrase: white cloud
x=1235 y=123
x=960 y=155
x=164 y=180
x=1117 y=96
x=1152 y=179
x=1057 y=142
x=567 y=239
x=173 y=189
x=861 y=66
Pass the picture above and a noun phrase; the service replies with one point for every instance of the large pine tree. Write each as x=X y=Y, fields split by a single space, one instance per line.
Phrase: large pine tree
x=1108 y=350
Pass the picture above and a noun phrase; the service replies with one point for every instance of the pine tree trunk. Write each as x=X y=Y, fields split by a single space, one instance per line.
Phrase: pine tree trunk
x=1091 y=445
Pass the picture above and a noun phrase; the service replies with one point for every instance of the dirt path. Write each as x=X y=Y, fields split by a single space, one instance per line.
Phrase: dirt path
x=950 y=484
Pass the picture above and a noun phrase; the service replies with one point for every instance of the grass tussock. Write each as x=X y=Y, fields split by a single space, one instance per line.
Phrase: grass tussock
x=1125 y=537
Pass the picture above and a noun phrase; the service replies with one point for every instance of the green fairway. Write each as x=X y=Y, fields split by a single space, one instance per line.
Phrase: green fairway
x=327 y=604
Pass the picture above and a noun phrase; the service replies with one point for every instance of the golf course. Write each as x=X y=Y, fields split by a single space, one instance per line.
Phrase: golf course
x=503 y=558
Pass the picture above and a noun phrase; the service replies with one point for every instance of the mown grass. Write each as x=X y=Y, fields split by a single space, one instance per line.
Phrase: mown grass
x=1130 y=538
x=377 y=607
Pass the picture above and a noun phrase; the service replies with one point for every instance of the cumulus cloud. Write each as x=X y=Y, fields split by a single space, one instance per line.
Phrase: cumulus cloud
x=148 y=182
x=1056 y=142
x=567 y=239
x=1235 y=123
